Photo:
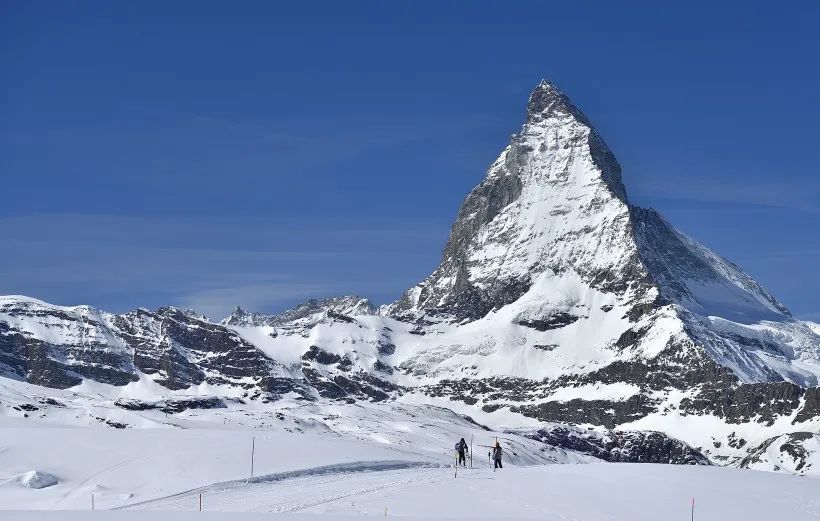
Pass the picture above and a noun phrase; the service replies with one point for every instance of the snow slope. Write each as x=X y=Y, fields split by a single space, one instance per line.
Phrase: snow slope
x=584 y=492
x=325 y=460
x=68 y=435
x=555 y=492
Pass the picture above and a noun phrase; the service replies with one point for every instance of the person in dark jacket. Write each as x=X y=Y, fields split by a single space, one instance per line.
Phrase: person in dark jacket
x=497 y=456
x=461 y=449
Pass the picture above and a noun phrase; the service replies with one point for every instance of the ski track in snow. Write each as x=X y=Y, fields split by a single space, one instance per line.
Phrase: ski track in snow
x=91 y=477
x=634 y=492
x=304 y=489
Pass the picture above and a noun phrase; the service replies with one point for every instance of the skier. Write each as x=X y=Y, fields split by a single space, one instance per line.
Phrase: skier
x=497 y=456
x=461 y=449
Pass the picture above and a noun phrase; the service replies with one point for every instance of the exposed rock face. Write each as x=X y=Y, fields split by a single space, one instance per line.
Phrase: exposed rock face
x=172 y=405
x=556 y=300
x=795 y=453
x=177 y=349
x=154 y=352
x=622 y=446
x=79 y=346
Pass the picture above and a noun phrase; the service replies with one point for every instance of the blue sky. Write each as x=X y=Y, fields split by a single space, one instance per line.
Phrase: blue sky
x=207 y=154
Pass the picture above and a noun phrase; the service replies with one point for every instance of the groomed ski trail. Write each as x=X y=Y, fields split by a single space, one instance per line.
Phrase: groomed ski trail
x=296 y=490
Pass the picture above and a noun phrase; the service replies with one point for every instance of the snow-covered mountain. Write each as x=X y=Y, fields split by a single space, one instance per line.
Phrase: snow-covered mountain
x=306 y=314
x=559 y=311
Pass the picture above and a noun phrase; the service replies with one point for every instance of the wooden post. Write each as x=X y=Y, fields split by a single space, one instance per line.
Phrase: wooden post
x=471 y=451
x=200 y=502
x=693 y=509
x=92 y=501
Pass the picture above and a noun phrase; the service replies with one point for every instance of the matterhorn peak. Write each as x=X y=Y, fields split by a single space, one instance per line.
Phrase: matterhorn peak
x=552 y=202
x=548 y=101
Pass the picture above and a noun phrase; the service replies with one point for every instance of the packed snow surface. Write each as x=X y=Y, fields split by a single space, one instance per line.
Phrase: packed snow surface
x=352 y=461
x=348 y=461
x=176 y=453
x=634 y=492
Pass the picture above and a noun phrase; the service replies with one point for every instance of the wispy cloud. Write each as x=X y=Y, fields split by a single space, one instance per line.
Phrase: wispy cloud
x=207 y=264
x=217 y=302
x=311 y=143
x=811 y=317
x=780 y=194
x=780 y=255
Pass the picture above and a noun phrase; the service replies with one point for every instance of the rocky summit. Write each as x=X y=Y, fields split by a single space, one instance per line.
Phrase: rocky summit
x=559 y=311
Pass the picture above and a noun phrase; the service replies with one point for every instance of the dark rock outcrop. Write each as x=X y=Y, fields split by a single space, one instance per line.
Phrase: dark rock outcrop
x=623 y=446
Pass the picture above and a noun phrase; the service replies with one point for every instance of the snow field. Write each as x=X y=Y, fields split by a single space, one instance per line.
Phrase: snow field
x=605 y=492
x=194 y=449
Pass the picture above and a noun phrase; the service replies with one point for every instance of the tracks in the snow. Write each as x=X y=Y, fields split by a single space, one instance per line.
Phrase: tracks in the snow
x=297 y=490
